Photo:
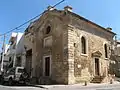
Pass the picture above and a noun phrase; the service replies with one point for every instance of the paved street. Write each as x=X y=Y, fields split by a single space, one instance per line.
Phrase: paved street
x=66 y=87
x=92 y=87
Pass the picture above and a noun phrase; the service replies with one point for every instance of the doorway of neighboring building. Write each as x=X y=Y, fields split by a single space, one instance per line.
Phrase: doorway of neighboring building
x=28 y=65
x=97 y=73
x=18 y=61
x=47 y=65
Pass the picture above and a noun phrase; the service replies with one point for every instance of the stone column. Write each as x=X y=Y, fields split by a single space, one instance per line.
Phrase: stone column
x=71 y=78
x=34 y=55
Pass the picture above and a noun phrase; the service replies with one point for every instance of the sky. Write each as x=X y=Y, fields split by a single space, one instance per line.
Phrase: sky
x=15 y=12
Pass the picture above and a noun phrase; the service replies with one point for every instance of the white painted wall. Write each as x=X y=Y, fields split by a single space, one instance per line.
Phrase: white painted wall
x=20 y=45
x=19 y=36
x=6 y=58
x=20 y=50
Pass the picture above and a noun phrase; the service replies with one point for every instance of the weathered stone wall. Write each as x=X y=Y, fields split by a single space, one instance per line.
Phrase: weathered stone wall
x=83 y=64
x=68 y=65
x=71 y=78
x=58 y=50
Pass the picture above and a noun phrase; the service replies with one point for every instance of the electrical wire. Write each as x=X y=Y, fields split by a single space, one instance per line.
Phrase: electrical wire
x=30 y=20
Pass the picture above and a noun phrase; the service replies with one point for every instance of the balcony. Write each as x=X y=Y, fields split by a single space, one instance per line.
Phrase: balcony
x=11 y=50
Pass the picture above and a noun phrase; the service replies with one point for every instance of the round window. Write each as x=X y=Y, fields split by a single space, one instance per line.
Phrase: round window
x=48 y=29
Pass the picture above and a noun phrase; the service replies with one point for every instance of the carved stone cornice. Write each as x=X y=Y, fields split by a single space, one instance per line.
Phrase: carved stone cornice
x=96 y=54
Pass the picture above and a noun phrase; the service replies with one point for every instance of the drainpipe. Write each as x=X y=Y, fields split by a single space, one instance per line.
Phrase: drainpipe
x=3 y=52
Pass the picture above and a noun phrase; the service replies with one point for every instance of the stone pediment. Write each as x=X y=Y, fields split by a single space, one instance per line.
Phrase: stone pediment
x=97 y=54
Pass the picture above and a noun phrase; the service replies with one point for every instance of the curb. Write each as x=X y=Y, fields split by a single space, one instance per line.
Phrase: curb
x=38 y=86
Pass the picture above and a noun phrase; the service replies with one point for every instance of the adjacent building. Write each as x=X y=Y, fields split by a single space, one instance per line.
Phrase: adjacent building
x=20 y=53
x=115 y=66
x=4 y=59
x=13 y=51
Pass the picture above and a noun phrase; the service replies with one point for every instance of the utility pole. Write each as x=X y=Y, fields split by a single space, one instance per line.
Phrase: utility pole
x=3 y=52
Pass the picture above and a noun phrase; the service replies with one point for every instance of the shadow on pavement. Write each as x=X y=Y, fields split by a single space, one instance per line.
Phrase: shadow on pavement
x=23 y=85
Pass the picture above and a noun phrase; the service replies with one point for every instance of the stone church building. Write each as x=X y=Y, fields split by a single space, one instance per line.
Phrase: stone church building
x=69 y=49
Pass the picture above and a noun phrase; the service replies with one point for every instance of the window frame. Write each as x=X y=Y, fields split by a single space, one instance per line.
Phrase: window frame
x=83 y=45
x=44 y=41
x=106 y=50
x=86 y=45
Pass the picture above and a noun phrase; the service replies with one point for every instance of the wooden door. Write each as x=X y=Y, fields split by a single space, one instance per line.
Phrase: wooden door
x=97 y=67
x=47 y=66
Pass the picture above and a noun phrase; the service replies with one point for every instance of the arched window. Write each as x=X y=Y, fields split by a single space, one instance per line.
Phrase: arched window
x=83 y=45
x=105 y=48
x=48 y=29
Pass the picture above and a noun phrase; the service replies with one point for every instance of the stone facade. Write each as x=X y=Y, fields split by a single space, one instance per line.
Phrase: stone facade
x=57 y=44
x=28 y=43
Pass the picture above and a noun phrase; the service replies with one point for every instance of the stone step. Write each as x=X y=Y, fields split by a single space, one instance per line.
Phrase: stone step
x=46 y=81
x=97 y=79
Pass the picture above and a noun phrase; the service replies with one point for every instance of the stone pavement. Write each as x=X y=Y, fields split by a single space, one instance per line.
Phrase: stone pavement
x=104 y=86
x=90 y=86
